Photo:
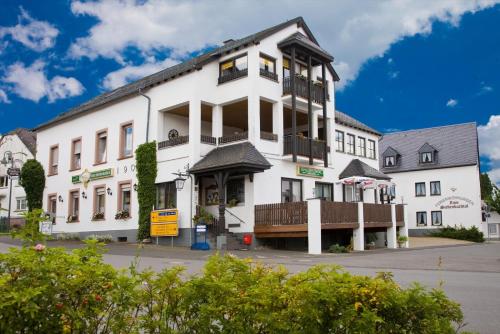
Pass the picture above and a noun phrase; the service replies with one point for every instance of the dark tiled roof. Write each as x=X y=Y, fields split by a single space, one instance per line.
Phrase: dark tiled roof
x=457 y=145
x=178 y=70
x=243 y=155
x=389 y=151
x=305 y=42
x=358 y=168
x=344 y=119
x=27 y=137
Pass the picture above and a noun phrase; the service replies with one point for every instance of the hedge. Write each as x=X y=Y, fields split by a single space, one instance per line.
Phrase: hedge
x=33 y=182
x=460 y=233
x=146 y=191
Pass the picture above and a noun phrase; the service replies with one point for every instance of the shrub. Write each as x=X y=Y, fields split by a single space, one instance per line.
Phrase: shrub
x=460 y=233
x=33 y=182
x=106 y=238
x=336 y=248
x=146 y=192
x=68 y=236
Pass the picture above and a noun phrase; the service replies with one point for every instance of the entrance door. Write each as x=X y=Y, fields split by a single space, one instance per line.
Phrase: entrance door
x=493 y=230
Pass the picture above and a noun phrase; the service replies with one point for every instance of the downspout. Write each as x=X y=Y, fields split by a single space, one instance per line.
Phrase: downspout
x=149 y=113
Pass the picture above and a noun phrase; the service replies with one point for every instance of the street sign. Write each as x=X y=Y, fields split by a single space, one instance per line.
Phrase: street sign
x=165 y=216
x=164 y=229
x=13 y=172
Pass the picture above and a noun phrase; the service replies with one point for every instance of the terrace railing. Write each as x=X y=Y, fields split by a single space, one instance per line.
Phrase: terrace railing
x=173 y=142
x=318 y=147
x=276 y=214
x=301 y=89
x=233 y=138
x=339 y=212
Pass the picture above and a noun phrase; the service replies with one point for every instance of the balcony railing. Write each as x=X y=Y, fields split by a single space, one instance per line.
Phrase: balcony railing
x=301 y=89
x=232 y=138
x=233 y=75
x=208 y=140
x=268 y=136
x=173 y=142
x=318 y=147
x=276 y=214
x=270 y=75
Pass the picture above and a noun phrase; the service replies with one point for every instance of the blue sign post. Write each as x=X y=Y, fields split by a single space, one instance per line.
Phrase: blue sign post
x=200 y=232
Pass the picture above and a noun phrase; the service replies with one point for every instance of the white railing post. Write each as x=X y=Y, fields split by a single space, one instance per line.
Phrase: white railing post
x=314 y=225
x=392 y=241
x=404 y=229
x=358 y=234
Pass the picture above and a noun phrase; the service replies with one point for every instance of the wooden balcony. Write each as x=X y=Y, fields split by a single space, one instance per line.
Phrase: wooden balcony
x=301 y=89
x=339 y=215
x=173 y=142
x=281 y=220
x=318 y=147
x=400 y=219
x=377 y=215
x=233 y=75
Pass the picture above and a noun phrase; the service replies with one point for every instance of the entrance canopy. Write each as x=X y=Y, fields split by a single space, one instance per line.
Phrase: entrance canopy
x=357 y=168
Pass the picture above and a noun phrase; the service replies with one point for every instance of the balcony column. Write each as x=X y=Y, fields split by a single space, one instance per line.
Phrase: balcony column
x=315 y=121
x=325 y=120
x=403 y=230
x=194 y=130
x=253 y=118
x=294 y=105
x=391 y=231
x=278 y=122
x=358 y=234
x=309 y=110
x=217 y=121
x=314 y=225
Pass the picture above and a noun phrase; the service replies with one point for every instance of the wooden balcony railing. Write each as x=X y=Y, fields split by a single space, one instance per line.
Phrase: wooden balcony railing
x=301 y=89
x=232 y=138
x=318 y=147
x=278 y=214
x=270 y=75
x=173 y=142
x=400 y=219
x=377 y=213
x=208 y=140
x=339 y=213
x=268 y=136
x=233 y=75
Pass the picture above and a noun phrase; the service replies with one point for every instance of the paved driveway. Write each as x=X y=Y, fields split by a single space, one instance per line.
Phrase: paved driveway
x=471 y=273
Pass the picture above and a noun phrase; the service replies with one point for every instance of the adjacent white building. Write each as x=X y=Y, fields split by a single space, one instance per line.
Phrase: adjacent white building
x=16 y=147
x=254 y=123
x=437 y=175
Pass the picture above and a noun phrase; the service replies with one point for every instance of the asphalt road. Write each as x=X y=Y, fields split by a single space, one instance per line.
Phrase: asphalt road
x=470 y=274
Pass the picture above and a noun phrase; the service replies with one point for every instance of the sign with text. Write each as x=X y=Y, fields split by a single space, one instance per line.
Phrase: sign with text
x=164 y=229
x=310 y=171
x=164 y=216
x=13 y=172
x=454 y=202
x=98 y=174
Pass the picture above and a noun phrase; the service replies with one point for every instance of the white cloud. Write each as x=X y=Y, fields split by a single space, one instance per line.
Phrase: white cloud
x=31 y=83
x=3 y=97
x=34 y=34
x=489 y=139
x=352 y=31
x=130 y=73
x=451 y=103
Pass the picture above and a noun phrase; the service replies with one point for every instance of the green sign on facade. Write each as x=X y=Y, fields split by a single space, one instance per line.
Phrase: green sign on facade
x=99 y=174
x=309 y=171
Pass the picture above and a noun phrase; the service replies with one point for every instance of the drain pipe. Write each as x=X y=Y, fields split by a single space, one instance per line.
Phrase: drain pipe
x=149 y=112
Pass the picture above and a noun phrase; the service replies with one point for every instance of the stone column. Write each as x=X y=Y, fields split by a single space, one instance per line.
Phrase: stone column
x=278 y=123
x=253 y=118
x=404 y=229
x=391 y=231
x=359 y=233
x=314 y=225
x=217 y=123
x=194 y=130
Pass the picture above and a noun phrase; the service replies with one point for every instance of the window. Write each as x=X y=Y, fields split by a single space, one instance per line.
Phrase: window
x=21 y=204
x=74 y=205
x=324 y=190
x=126 y=139
x=426 y=157
x=4 y=181
x=268 y=67
x=339 y=141
x=420 y=189
x=350 y=144
x=437 y=218
x=233 y=65
x=389 y=161
x=352 y=193
x=421 y=218
x=124 y=196
x=299 y=68
x=361 y=147
x=435 y=188
x=76 y=154
x=291 y=190
x=235 y=191
x=166 y=196
x=52 y=206
x=100 y=200
x=371 y=149
x=101 y=146
x=54 y=160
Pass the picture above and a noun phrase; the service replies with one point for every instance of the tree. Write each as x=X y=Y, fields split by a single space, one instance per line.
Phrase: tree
x=146 y=192
x=494 y=201
x=33 y=182
x=486 y=187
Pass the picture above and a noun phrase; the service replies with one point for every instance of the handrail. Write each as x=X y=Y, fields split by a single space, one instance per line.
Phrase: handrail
x=235 y=216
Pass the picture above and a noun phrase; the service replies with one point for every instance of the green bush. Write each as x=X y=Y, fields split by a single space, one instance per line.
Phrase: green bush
x=146 y=192
x=460 y=233
x=106 y=238
x=33 y=182
x=336 y=248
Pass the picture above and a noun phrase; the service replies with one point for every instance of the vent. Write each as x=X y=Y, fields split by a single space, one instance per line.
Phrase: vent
x=122 y=239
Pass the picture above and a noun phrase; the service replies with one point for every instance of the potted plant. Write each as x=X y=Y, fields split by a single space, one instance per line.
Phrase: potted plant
x=402 y=239
x=370 y=240
x=122 y=215
x=203 y=217
x=98 y=216
x=232 y=202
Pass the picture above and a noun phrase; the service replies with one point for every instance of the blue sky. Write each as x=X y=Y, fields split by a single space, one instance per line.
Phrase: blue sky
x=403 y=65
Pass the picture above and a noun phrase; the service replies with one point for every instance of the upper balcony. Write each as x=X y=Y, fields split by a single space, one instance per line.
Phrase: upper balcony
x=301 y=89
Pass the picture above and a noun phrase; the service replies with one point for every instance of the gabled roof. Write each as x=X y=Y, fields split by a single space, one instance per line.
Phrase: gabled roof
x=457 y=146
x=390 y=152
x=358 y=168
x=427 y=148
x=27 y=137
x=299 y=39
x=344 y=119
x=180 y=69
x=243 y=157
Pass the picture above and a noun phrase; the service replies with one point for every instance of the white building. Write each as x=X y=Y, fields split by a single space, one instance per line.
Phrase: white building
x=16 y=147
x=239 y=118
x=437 y=174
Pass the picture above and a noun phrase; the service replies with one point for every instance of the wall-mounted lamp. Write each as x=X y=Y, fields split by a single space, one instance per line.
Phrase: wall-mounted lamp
x=136 y=187
x=60 y=199
x=84 y=195
x=109 y=191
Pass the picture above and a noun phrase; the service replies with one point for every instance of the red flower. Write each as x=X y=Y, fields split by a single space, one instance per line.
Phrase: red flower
x=59 y=306
x=98 y=298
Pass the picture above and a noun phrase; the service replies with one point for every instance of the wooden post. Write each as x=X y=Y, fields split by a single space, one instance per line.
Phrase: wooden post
x=221 y=180
x=309 y=109
x=325 y=127
x=294 y=106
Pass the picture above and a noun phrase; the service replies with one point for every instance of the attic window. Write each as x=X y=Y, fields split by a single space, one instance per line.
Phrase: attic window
x=426 y=157
x=389 y=161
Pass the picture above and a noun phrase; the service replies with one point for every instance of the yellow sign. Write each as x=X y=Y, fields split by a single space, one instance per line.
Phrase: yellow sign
x=164 y=229
x=165 y=216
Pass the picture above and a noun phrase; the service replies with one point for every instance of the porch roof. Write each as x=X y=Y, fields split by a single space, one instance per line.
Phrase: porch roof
x=358 y=168
x=300 y=40
x=239 y=158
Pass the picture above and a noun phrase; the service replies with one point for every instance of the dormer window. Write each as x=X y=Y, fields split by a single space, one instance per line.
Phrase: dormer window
x=391 y=157
x=427 y=154
x=390 y=161
x=426 y=157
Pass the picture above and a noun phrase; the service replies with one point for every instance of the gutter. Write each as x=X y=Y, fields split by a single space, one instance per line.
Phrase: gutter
x=149 y=112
